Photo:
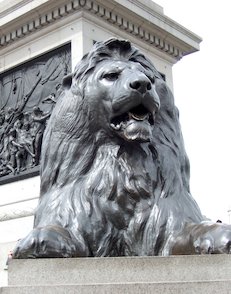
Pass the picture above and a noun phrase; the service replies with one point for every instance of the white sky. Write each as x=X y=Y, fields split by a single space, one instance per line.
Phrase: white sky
x=202 y=93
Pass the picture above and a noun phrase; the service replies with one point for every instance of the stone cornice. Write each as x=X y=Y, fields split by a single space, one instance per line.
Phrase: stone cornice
x=147 y=24
x=153 y=13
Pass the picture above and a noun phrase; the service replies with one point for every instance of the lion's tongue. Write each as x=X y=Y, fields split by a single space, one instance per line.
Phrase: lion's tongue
x=137 y=130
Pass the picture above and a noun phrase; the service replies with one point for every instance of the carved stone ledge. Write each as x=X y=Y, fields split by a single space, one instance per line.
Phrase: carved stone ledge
x=33 y=172
x=108 y=14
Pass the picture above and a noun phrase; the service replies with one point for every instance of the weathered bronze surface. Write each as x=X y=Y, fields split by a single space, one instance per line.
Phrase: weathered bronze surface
x=28 y=94
x=114 y=172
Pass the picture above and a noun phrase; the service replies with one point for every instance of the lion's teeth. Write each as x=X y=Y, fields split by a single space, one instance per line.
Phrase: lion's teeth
x=138 y=117
x=116 y=127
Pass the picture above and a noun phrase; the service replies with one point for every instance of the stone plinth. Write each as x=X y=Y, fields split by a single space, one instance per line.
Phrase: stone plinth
x=174 y=274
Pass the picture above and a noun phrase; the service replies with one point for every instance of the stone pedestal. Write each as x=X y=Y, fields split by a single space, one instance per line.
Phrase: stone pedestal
x=174 y=274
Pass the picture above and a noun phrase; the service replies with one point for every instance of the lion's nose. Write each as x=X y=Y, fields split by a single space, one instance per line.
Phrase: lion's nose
x=141 y=84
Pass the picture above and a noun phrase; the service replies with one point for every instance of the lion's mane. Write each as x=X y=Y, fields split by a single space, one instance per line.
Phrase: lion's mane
x=117 y=197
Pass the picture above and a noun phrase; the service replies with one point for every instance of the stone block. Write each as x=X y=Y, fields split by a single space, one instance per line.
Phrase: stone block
x=112 y=270
x=207 y=274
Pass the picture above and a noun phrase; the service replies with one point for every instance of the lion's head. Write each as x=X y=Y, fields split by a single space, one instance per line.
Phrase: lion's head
x=118 y=83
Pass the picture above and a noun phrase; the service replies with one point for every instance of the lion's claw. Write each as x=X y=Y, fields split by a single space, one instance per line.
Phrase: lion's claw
x=204 y=238
x=217 y=239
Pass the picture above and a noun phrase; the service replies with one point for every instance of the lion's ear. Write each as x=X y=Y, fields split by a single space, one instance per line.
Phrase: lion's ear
x=67 y=81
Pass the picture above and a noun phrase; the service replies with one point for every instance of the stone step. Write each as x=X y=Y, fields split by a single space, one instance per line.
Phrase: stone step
x=119 y=270
x=211 y=287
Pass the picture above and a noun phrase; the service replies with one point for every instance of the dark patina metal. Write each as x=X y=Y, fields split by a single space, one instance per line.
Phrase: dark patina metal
x=114 y=172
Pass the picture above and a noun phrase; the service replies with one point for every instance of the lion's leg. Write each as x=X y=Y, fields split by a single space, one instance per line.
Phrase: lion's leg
x=50 y=241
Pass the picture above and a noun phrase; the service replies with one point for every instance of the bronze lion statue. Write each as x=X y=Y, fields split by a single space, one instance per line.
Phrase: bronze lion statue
x=114 y=171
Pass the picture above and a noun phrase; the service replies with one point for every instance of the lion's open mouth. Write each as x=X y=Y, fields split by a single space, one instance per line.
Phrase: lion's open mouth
x=138 y=113
x=135 y=124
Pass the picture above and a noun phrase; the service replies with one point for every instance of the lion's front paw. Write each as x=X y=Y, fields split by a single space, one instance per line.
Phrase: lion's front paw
x=203 y=238
x=214 y=238
x=49 y=241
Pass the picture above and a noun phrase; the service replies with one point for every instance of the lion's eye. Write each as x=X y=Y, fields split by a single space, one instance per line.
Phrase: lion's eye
x=112 y=76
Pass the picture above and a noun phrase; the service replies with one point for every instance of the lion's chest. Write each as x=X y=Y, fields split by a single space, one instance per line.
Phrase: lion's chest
x=121 y=187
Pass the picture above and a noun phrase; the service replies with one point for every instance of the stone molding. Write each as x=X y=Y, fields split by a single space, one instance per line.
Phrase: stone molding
x=17 y=214
x=18 y=209
x=130 y=22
